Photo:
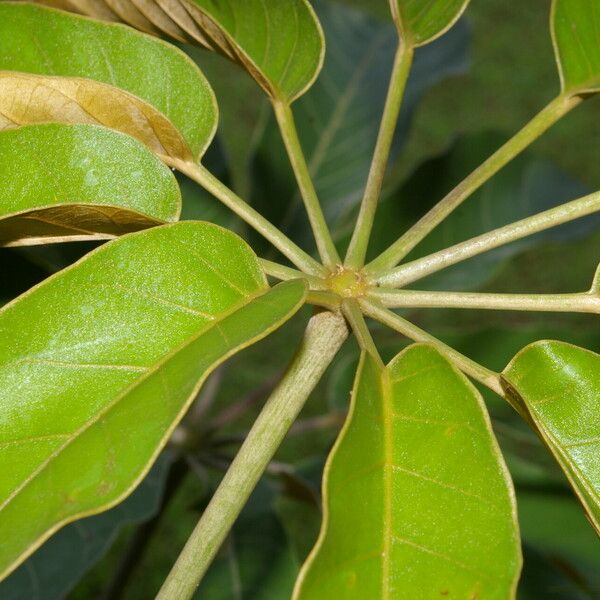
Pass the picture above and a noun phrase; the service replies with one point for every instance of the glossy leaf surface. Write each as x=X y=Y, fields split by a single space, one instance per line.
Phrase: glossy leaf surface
x=44 y=41
x=279 y=43
x=559 y=387
x=420 y=22
x=418 y=502
x=73 y=182
x=576 y=36
x=87 y=407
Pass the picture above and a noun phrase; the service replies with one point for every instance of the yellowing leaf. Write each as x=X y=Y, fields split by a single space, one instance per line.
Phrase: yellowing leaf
x=179 y=14
x=417 y=500
x=98 y=9
x=145 y=15
x=79 y=182
x=163 y=87
x=122 y=342
x=27 y=99
x=128 y=12
x=159 y=18
x=280 y=43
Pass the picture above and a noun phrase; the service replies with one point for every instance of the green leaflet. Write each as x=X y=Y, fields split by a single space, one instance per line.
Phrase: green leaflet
x=279 y=43
x=122 y=341
x=418 y=502
x=575 y=28
x=421 y=22
x=558 y=385
x=44 y=41
x=73 y=182
x=27 y=99
x=64 y=559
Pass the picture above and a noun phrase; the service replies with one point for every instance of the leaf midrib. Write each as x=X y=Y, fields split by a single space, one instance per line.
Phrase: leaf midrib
x=386 y=396
x=565 y=456
x=150 y=372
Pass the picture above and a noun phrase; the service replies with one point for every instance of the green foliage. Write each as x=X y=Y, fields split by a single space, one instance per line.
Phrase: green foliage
x=576 y=36
x=260 y=549
x=86 y=188
x=417 y=498
x=148 y=68
x=558 y=385
x=106 y=361
x=555 y=529
x=420 y=24
x=338 y=117
x=279 y=44
x=527 y=186
x=55 y=445
x=59 y=564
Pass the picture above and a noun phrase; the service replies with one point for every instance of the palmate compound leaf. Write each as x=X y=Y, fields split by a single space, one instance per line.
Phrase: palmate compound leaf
x=418 y=501
x=102 y=73
x=280 y=44
x=558 y=386
x=575 y=28
x=79 y=182
x=99 y=363
x=422 y=21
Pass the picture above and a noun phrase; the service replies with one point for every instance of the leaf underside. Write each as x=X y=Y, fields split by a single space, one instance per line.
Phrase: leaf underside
x=280 y=44
x=157 y=73
x=76 y=182
x=422 y=22
x=123 y=340
x=433 y=505
x=558 y=385
x=576 y=35
x=418 y=502
x=28 y=99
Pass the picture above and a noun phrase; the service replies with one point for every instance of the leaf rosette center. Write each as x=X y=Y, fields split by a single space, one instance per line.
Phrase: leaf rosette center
x=348 y=283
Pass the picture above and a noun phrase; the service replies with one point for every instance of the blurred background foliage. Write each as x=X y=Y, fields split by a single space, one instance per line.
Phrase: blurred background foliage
x=469 y=92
